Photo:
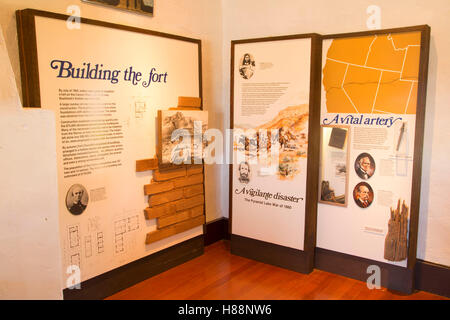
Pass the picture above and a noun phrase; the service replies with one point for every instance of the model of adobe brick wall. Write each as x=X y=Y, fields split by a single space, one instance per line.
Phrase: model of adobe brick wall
x=175 y=196
x=176 y=200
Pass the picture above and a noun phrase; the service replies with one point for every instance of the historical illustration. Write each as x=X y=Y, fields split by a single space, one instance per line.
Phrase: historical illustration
x=288 y=131
x=181 y=136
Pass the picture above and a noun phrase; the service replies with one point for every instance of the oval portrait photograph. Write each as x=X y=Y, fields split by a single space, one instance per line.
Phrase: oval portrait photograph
x=365 y=166
x=363 y=194
x=77 y=199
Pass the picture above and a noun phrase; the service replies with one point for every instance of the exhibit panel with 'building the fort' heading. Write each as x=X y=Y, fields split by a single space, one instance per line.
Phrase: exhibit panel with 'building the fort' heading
x=105 y=84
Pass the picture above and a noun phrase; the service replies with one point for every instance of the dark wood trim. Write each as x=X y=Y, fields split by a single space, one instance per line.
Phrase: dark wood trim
x=266 y=252
x=230 y=174
x=200 y=74
x=375 y=32
x=431 y=277
x=312 y=176
x=313 y=152
x=125 y=276
x=216 y=230
x=277 y=38
x=392 y=277
x=418 y=145
x=26 y=33
x=427 y=276
x=47 y=14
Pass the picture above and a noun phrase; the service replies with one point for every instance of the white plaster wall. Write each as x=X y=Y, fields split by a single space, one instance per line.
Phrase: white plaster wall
x=30 y=263
x=199 y=19
x=30 y=252
x=262 y=18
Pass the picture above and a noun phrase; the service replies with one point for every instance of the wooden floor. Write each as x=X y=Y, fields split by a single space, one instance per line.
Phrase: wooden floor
x=220 y=275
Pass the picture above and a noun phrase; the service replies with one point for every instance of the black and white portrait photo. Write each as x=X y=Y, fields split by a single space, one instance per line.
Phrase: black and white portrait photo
x=247 y=66
x=77 y=199
x=244 y=172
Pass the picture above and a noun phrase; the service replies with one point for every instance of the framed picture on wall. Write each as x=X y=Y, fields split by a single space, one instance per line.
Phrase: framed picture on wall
x=139 y=6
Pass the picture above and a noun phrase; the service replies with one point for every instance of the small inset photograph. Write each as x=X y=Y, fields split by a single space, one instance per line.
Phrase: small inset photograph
x=363 y=194
x=247 y=66
x=365 y=166
x=77 y=199
x=340 y=170
x=178 y=129
x=244 y=172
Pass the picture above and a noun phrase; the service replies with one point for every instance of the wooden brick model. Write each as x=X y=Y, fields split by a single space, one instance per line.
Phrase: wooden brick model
x=396 y=243
x=176 y=201
x=176 y=195
x=189 y=102
x=146 y=164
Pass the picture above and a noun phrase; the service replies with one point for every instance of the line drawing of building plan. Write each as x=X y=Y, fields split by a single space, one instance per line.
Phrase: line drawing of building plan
x=72 y=247
x=75 y=260
x=88 y=246
x=120 y=227
x=125 y=229
x=74 y=236
x=100 y=243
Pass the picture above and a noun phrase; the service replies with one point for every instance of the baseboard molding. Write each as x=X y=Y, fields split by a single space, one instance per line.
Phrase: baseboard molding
x=280 y=256
x=123 y=277
x=433 y=278
x=216 y=230
x=428 y=276
x=392 y=277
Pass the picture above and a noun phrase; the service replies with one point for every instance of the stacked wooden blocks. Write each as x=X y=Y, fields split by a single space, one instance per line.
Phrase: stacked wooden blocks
x=188 y=103
x=175 y=196
x=176 y=200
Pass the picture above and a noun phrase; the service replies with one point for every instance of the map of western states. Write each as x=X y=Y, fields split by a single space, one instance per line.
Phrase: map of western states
x=374 y=74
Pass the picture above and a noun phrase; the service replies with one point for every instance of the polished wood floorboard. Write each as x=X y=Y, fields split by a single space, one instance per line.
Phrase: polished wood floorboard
x=219 y=275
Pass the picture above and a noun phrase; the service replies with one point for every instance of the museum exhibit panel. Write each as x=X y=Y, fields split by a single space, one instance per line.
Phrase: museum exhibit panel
x=106 y=110
x=372 y=118
x=273 y=177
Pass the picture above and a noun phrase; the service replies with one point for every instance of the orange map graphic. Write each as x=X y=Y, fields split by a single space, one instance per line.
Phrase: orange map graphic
x=376 y=74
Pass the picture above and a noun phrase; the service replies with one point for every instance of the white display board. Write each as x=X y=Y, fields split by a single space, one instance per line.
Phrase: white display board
x=105 y=84
x=271 y=94
x=370 y=86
